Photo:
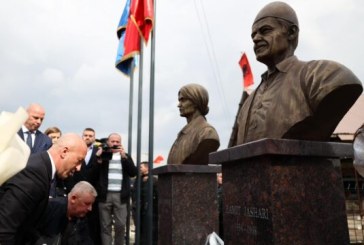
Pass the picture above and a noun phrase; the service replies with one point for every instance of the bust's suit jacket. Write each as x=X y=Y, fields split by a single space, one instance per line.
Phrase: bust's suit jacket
x=24 y=200
x=41 y=143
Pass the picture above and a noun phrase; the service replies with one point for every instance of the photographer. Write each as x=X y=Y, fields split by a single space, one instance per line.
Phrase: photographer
x=113 y=187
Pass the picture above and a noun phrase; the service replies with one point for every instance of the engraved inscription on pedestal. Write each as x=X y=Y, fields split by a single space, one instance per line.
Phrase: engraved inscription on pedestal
x=244 y=220
x=284 y=192
x=254 y=213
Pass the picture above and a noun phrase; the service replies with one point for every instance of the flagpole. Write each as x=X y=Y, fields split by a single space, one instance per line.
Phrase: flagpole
x=130 y=141
x=247 y=81
x=151 y=133
x=233 y=136
x=139 y=132
x=130 y=121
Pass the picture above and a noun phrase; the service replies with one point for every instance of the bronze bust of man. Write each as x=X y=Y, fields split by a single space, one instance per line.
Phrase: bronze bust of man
x=198 y=138
x=295 y=99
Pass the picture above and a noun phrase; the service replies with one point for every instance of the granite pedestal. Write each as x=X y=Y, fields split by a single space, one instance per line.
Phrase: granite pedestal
x=187 y=203
x=283 y=192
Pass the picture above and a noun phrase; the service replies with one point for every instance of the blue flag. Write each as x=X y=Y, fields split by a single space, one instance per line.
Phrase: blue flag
x=124 y=58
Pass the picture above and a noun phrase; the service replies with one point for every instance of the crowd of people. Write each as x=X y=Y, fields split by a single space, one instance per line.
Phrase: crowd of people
x=72 y=190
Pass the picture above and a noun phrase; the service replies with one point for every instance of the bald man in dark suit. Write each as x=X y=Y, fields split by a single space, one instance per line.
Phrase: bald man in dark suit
x=25 y=195
x=39 y=141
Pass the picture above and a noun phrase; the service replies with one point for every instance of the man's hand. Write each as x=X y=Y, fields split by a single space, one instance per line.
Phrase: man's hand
x=122 y=152
x=99 y=152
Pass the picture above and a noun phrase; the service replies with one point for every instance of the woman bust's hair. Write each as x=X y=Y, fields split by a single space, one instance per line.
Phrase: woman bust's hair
x=198 y=95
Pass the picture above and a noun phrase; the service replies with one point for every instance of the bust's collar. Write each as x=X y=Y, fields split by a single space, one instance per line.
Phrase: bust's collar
x=286 y=64
x=283 y=66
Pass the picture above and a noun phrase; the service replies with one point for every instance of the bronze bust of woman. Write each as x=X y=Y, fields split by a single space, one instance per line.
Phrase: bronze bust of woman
x=198 y=138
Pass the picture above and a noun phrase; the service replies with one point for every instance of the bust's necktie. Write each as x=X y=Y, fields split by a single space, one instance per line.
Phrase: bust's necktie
x=29 y=140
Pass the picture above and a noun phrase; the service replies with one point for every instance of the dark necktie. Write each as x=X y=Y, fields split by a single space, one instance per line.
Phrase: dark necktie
x=53 y=188
x=29 y=140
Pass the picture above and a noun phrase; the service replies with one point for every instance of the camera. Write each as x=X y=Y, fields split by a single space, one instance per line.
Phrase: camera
x=105 y=147
x=108 y=148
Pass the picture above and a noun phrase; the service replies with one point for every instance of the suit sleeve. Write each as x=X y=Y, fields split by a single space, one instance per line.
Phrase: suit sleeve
x=22 y=195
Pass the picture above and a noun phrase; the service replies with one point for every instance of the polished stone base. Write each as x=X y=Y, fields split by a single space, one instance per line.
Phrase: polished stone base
x=283 y=192
x=187 y=203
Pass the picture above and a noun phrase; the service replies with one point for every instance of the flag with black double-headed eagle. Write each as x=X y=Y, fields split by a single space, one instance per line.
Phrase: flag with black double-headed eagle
x=247 y=72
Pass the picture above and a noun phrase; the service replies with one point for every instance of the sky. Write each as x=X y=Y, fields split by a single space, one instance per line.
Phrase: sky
x=61 y=54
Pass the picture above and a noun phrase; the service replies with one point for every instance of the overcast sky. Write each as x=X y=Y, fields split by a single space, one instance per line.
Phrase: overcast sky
x=61 y=54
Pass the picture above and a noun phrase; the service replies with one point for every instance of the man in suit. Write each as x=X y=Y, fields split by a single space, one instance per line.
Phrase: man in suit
x=36 y=140
x=64 y=214
x=25 y=195
x=88 y=136
x=93 y=221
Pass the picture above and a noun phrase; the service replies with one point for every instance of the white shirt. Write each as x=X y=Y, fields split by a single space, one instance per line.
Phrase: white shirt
x=53 y=166
x=26 y=135
x=89 y=153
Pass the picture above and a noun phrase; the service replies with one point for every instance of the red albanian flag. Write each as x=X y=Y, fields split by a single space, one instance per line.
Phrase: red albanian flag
x=247 y=72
